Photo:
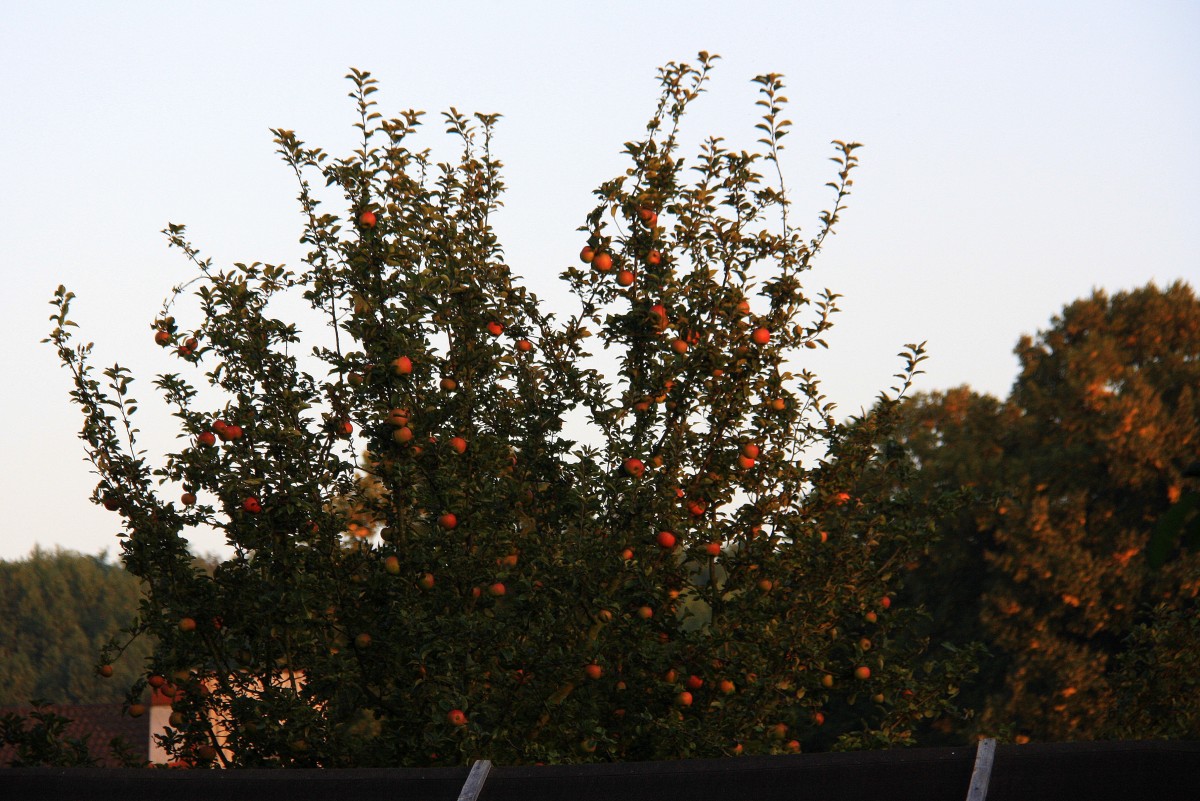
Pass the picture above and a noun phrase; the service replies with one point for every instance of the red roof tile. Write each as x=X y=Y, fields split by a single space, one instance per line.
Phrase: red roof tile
x=99 y=723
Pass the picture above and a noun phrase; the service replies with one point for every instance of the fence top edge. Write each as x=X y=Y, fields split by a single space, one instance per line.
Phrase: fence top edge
x=883 y=758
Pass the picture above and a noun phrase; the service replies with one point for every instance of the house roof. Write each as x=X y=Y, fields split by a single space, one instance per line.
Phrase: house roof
x=99 y=724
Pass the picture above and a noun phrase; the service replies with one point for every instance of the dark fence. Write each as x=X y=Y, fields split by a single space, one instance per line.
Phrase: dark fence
x=1162 y=771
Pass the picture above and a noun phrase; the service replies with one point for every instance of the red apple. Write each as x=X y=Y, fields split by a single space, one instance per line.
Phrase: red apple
x=457 y=718
x=593 y=671
x=602 y=262
x=426 y=581
x=458 y=445
x=634 y=467
x=105 y=670
x=187 y=624
x=392 y=565
x=761 y=336
x=694 y=682
x=587 y=254
x=188 y=498
x=496 y=590
x=207 y=439
x=625 y=278
x=362 y=641
x=448 y=521
x=162 y=338
x=367 y=218
x=666 y=540
x=713 y=549
x=659 y=313
x=862 y=673
x=750 y=450
x=524 y=345
x=495 y=329
x=684 y=698
x=252 y=505
x=654 y=258
x=402 y=365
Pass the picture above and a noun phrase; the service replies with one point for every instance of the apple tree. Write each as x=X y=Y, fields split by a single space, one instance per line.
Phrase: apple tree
x=463 y=526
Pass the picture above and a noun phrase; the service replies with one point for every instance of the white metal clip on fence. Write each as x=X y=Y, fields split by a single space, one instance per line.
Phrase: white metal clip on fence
x=985 y=755
x=473 y=786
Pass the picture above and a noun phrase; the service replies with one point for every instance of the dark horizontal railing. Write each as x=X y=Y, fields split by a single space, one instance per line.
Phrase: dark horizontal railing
x=1104 y=771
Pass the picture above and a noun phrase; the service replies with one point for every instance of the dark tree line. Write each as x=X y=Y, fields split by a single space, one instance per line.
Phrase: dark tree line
x=57 y=611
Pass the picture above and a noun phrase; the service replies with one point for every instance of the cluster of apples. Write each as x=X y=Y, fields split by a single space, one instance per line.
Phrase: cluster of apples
x=602 y=261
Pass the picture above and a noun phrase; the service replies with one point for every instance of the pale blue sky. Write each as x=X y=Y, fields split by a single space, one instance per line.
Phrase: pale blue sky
x=1017 y=155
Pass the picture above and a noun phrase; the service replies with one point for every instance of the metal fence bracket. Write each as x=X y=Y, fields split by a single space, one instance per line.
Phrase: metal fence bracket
x=985 y=755
x=473 y=786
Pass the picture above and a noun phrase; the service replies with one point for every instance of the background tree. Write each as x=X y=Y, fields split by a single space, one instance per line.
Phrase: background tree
x=57 y=610
x=687 y=571
x=1070 y=475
